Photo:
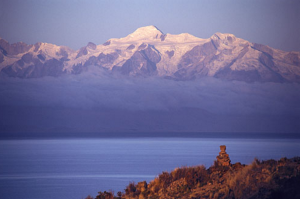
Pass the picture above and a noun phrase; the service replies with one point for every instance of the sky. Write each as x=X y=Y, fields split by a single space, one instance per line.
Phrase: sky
x=74 y=23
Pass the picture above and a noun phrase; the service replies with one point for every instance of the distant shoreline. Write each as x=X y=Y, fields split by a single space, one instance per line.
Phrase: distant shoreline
x=115 y=135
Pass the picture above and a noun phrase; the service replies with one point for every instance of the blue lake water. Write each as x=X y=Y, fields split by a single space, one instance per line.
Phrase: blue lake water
x=75 y=168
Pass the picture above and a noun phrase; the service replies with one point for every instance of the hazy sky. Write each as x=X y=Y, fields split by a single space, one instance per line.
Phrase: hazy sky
x=76 y=22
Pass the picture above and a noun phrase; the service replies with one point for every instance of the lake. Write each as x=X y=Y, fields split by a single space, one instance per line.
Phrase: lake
x=74 y=168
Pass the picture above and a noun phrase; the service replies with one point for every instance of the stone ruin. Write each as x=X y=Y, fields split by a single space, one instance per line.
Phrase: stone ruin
x=223 y=158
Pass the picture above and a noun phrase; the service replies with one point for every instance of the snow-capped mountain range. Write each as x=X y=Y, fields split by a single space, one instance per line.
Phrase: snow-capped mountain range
x=150 y=52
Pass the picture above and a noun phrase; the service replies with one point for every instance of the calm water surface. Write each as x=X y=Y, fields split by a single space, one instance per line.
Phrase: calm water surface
x=75 y=168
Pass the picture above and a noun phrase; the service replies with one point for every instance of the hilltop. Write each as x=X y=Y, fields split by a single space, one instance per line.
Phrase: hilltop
x=260 y=180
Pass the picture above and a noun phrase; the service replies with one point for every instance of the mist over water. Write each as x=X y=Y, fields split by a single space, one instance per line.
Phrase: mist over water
x=99 y=101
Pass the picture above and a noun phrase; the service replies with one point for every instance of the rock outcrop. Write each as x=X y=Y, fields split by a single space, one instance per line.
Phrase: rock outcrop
x=223 y=158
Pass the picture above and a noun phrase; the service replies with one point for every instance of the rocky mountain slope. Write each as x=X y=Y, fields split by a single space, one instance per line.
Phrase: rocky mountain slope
x=150 y=52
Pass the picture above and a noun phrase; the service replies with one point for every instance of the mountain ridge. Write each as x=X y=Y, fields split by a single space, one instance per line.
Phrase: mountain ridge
x=149 y=52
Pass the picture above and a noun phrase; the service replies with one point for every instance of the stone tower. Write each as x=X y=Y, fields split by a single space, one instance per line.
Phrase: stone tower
x=223 y=158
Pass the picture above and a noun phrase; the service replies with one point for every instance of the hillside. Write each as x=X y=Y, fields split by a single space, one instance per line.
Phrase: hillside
x=149 y=52
x=259 y=180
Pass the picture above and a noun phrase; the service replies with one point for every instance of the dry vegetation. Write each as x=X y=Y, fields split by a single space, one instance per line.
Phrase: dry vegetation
x=259 y=180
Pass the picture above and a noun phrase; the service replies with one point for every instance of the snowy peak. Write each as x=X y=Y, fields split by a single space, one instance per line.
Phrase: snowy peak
x=222 y=36
x=147 y=32
x=151 y=34
x=182 y=38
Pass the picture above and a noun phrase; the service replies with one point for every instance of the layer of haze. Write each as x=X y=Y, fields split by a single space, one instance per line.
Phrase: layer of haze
x=74 y=23
x=96 y=101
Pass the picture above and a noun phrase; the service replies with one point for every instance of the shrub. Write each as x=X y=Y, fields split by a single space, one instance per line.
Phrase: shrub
x=105 y=195
x=165 y=179
x=196 y=175
x=130 y=189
